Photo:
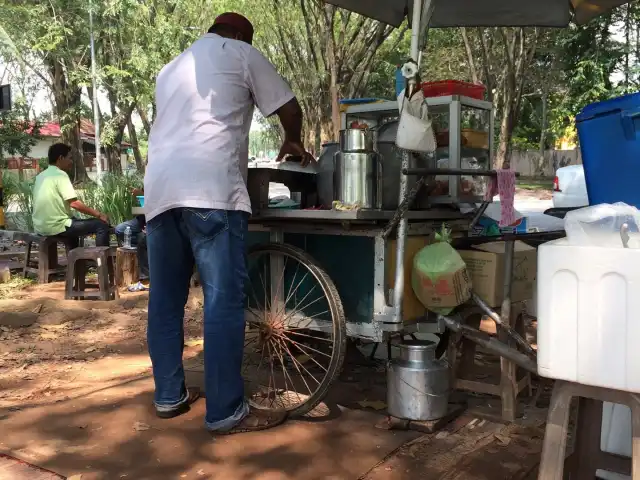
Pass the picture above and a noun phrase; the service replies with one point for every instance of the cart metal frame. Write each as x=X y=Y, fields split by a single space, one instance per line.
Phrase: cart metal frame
x=361 y=223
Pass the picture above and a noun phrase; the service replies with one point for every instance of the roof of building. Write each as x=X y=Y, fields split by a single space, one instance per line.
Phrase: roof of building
x=87 y=131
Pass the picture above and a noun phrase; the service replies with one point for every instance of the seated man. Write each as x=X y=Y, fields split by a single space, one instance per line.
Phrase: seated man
x=53 y=199
x=138 y=239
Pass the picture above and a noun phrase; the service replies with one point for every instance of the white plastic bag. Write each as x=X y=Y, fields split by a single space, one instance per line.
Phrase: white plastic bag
x=600 y=225
x=415 y=131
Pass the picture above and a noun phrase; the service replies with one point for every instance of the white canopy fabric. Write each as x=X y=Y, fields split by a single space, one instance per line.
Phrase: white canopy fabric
x=485 y=13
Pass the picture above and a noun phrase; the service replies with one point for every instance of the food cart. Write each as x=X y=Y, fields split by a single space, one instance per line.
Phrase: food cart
x=318 y=276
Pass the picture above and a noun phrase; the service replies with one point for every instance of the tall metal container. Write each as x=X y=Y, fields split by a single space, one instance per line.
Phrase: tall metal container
x=356 y=179
x=418 y=384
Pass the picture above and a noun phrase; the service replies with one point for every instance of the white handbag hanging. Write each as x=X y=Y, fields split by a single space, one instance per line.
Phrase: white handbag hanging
x=415 y=130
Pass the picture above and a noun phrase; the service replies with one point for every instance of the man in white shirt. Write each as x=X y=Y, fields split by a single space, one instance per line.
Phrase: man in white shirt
x=197 y=209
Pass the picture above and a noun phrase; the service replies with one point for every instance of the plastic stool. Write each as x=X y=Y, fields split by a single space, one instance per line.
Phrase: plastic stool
x=587 y=457
x=77 y=271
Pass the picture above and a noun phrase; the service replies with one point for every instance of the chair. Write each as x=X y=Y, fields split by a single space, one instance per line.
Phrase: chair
x=76 y=286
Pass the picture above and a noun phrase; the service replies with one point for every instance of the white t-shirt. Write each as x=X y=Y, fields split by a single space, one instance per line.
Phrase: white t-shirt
x=199 y=142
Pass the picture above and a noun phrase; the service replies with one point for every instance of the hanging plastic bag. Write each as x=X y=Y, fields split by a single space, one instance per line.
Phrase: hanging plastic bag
x=601 y=225
x=439 y=277
x=415 y=130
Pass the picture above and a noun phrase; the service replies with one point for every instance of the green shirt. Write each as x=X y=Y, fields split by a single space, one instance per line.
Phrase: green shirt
x=51 y=194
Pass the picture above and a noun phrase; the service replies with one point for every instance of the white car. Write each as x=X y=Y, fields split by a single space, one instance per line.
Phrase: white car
x=570 y=188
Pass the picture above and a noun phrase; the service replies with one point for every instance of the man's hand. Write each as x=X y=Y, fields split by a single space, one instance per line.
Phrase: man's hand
x=295 y=149
x=104 y=218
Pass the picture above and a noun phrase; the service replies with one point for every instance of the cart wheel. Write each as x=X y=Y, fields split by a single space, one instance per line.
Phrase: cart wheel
x=295 y=338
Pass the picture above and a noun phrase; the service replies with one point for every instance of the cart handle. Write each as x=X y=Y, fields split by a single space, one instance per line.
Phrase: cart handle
x=450 y=171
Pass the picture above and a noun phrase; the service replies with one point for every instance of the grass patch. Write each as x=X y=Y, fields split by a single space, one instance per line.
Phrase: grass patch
x=12 y=287
x=535 y=183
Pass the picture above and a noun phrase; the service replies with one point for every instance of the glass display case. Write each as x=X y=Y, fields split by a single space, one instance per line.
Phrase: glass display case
x=464 y=134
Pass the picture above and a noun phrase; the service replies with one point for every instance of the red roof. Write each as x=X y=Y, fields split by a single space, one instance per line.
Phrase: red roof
x=52 y=129
x=87 y=131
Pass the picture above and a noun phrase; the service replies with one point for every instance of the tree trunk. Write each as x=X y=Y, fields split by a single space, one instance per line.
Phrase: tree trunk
x=142 y=113
x=627 y=48
x=470 y=58
x=114 y=164
x=333 y=70
x=133 y=136
x=543 y=133
x=67 y=105
x=503 y=156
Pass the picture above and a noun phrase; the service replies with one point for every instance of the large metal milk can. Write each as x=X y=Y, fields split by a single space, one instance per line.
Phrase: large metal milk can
x=417 y=383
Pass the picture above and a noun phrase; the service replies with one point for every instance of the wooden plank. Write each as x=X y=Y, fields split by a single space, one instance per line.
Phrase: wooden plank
x=478 y=387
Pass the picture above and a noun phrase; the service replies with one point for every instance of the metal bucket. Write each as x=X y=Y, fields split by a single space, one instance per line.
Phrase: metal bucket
x=417 y=383
x=357 y=140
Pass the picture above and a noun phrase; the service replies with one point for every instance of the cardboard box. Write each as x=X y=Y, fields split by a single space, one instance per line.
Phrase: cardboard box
x=446 y=291
x=485 y=264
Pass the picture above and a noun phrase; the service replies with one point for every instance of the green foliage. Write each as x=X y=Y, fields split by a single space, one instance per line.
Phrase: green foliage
x=113 y=197
x=18 y=195
x=17 y=134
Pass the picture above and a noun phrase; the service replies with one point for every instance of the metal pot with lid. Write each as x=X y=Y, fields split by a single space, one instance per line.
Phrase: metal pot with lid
x=357 y=140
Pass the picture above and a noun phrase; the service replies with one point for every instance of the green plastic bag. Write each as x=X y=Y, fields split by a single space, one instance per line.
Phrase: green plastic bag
x=439 y=277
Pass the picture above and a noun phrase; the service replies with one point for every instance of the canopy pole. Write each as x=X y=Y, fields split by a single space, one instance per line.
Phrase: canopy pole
x=416 y=21
x=403 y=225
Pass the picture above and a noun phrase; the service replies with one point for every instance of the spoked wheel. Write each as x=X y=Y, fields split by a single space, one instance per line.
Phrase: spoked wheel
x=295 y=337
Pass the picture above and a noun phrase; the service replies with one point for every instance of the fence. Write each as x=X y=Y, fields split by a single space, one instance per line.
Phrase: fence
x=529 y=164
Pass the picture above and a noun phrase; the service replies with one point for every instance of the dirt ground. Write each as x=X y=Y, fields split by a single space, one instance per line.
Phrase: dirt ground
x=72 y=346
x=76 y=394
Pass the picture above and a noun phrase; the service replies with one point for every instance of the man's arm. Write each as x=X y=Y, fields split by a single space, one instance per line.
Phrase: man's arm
x=290 y=115
x=82 y=208
x=69 y=195
x=272 y=95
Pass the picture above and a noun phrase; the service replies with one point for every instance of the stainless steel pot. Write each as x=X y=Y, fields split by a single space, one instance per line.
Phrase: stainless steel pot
x=356 y=140
x=417 y=383
x=356 y=179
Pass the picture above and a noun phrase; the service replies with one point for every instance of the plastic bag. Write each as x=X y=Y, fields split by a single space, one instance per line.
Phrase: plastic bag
x=600 y=225
x=439 y=277
x=415 y=130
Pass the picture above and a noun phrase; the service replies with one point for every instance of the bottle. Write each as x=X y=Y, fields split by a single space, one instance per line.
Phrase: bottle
x=127 y=237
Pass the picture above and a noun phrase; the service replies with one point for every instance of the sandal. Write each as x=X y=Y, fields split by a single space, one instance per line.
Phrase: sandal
x=193 y=395
x=137 y=287
x=256 y=421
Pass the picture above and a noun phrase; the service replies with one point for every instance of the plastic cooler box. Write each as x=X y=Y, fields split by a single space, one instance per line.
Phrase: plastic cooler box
x=588 y=304
x=610 y=143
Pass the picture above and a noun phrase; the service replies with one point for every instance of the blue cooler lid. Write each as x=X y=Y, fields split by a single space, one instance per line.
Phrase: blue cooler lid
x=618 y=104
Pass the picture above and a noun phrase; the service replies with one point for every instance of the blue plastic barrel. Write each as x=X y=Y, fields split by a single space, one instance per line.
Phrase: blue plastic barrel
x=609 y=135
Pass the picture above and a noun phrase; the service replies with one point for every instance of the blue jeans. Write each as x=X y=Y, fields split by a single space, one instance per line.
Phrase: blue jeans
x=215 y=241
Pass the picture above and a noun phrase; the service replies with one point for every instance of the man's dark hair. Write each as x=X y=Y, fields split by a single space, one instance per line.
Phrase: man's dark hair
x=56 y=151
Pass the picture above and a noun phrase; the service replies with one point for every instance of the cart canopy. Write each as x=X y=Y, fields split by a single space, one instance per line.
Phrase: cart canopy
x=486 y=13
